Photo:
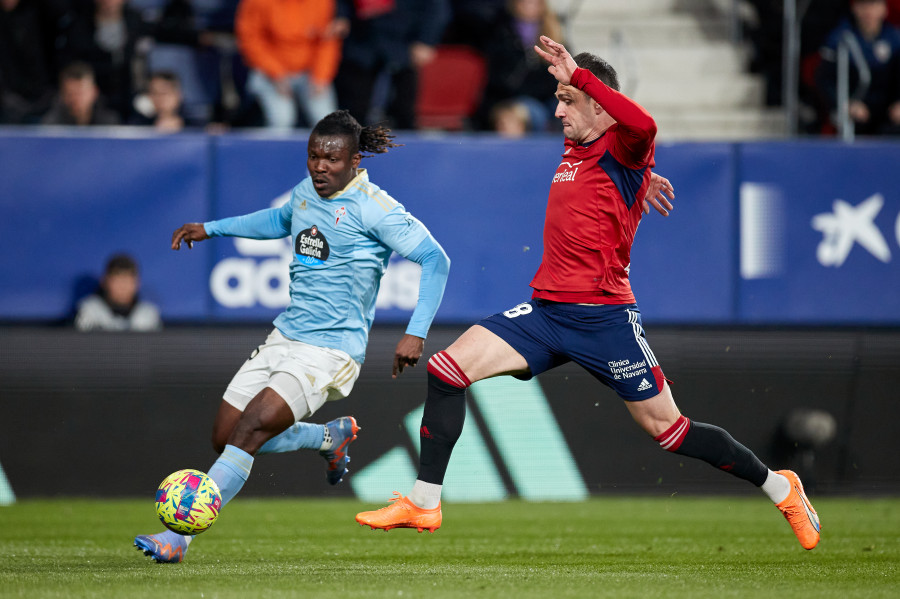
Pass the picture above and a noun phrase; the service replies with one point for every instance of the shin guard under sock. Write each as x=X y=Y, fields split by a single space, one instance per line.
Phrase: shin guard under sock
x=231 y=471
x=443 y=418
x=714 y=446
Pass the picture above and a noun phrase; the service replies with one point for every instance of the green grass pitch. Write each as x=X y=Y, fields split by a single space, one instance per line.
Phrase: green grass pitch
x=610 y=547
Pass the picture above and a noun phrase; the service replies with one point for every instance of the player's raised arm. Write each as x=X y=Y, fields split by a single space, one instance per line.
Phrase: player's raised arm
x=562 y=65
x=189 y=233
x=637 y=130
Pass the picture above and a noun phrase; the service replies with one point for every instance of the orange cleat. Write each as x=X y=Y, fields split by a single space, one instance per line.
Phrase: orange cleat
x=402 y=513
x=799 y=512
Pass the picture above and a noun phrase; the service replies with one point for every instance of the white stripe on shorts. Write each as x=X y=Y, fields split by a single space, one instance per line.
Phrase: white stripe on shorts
x=641 y=341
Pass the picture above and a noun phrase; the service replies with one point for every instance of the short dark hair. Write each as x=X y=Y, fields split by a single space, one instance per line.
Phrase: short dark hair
x=376 y=139
x=168 y=76
x=121 y=263
x=600 y=68
x=76 y=71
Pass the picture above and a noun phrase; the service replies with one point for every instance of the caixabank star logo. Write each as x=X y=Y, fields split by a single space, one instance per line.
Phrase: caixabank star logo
x=848 y=227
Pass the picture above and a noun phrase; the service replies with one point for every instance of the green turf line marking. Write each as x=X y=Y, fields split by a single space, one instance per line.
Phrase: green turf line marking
x=471 y=475
x=529 y=439
x=7 y=497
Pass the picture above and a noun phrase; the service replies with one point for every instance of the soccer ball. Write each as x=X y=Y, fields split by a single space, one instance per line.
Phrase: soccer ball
x=188 y=502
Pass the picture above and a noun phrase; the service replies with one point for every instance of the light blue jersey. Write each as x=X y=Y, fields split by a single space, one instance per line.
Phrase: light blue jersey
x=342 y=245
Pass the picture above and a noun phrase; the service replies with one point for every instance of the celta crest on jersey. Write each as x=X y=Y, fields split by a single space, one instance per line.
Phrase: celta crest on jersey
x=311 y=247
x=338 y=214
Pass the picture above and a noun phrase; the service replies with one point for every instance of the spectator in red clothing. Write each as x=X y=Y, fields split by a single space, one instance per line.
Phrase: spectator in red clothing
x=293 y=50
x=893 y=15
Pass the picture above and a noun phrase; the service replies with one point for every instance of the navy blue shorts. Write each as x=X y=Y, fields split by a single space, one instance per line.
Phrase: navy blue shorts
x=606 y=340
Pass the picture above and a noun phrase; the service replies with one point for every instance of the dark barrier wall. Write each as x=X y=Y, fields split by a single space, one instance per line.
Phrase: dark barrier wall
x=762 y=233
x=113 y=414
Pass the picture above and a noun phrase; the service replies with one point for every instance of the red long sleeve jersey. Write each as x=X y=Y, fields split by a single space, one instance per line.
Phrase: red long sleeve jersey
x=594 y=206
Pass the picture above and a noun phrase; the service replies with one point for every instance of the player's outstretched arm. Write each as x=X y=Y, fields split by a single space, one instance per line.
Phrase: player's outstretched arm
x=435 y=269
x=562 y=65
x=408 y=352
x=189 y=233
x=659 y=188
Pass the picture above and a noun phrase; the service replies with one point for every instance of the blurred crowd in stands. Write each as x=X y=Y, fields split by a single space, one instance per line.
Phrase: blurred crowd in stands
x=182 y=64
x=221 y=64
x=869 y=31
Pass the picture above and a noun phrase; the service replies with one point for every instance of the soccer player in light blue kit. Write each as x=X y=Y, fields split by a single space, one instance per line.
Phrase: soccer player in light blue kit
x=344 y=229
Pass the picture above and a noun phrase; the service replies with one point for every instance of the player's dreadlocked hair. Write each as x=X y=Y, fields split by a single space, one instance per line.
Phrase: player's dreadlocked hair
x=600 y=68
x=374 y=140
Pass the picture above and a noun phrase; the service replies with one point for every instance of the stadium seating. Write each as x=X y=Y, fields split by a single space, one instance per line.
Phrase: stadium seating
x=680 y=61
x=450 y=88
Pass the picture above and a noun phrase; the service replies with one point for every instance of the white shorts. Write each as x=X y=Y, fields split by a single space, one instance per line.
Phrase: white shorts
x=322 y=374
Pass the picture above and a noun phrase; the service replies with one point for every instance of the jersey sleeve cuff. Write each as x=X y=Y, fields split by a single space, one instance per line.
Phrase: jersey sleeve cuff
x=581 y=77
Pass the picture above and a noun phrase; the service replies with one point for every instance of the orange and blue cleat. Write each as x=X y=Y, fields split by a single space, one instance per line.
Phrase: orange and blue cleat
x=165 y=547
x=343 y=432
x=799 y=512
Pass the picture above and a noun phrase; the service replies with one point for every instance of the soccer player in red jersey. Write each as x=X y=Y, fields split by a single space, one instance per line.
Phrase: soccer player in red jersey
x=582 y=308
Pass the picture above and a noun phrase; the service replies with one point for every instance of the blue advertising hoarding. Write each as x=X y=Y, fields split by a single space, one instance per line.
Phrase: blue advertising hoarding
x=801 y=232
x=485 y=204
x=69 y=202
x=820 y=233
x=682 y=266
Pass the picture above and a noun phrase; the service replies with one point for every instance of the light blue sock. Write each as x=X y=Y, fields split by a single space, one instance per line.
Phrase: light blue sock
x=173 y=538
x=231 y=471
x=302 y=435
